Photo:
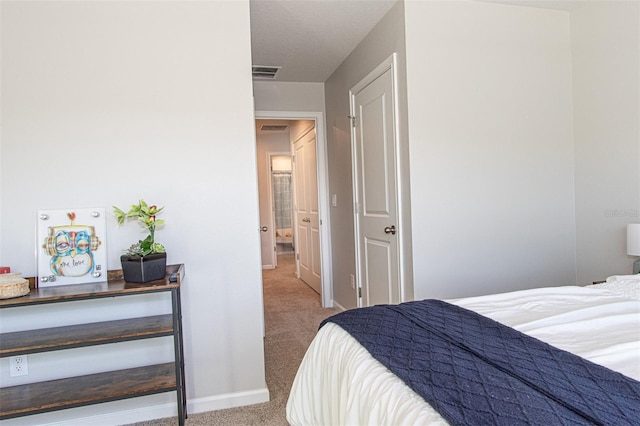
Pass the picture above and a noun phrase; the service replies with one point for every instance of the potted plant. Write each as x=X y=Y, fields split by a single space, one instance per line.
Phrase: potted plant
x=145 y=260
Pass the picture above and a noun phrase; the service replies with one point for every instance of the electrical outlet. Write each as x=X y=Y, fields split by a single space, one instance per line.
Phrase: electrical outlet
x=18 y=366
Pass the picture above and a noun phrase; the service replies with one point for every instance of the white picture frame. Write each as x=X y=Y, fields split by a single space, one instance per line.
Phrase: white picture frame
x=71 y=246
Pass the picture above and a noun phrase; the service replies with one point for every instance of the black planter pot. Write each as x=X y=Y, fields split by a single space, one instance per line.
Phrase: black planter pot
x=136 y=269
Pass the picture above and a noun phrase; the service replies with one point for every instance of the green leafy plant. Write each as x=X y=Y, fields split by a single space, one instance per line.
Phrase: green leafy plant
x=146 y=216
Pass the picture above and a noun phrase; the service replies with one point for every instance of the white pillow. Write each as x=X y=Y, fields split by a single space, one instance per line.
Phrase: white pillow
x=624 y=285
x=613 y=278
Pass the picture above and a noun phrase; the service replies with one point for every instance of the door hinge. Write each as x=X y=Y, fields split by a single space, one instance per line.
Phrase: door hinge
x=360 y=292
x=297 y=256
x=353 y=120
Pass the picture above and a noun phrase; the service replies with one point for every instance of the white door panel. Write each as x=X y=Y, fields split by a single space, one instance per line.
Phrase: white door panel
x=375 y=179
x=307 y=218
x=375 y=191
x=315 y=254
x=378 y=257
x=303 y=250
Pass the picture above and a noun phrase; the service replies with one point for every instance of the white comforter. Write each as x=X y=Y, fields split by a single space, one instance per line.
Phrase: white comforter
x=339 y=383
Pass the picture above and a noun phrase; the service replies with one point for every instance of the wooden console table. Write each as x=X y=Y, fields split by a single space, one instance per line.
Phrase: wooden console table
x=34 y=398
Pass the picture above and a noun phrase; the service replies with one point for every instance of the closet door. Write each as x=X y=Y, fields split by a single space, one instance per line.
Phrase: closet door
x=306 y=208
x=374 y=148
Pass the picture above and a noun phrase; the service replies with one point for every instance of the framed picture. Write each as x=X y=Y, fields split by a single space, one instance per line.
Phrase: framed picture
x=71 y=246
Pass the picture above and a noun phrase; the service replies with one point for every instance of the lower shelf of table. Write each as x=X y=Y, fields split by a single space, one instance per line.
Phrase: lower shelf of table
x=34 y=398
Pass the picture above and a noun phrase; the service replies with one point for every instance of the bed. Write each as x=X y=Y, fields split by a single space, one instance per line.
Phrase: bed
x=339 y=382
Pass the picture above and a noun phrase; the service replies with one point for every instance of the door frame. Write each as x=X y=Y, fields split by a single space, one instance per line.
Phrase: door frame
x=323 y=193
x=403 y=227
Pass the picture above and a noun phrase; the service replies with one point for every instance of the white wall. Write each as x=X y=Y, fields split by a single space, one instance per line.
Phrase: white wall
x=107 y=102
x=606 y=56
x=490 y=131
x=288 y=96
x=384 y=39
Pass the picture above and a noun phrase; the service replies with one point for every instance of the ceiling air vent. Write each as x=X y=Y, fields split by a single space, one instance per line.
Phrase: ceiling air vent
x=274 y=127
x=265 y=73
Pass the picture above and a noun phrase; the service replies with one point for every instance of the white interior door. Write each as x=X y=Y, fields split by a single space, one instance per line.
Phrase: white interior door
x=306 y=210
x=374 y=147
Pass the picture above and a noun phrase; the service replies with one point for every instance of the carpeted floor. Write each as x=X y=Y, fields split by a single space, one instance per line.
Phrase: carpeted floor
x=292 y=314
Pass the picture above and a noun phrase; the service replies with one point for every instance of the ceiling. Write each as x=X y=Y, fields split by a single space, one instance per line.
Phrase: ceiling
x=309 y=39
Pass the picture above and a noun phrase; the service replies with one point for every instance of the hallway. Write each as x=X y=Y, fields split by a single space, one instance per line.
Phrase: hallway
x=292 y=314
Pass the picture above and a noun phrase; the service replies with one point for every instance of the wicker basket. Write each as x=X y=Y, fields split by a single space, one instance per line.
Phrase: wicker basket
x=17 y=287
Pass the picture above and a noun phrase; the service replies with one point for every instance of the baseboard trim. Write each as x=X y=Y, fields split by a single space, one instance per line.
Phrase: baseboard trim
x=229 y=400
x=339 y=306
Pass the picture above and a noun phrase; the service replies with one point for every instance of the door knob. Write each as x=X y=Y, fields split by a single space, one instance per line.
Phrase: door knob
x=390 y=230
x=264 y=229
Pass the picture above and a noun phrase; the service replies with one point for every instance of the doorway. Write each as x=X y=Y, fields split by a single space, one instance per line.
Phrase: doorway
x=322 y=231
x=282 y=202
x=272 y=141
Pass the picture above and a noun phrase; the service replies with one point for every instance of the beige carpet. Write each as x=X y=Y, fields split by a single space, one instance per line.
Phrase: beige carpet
x=292 y=314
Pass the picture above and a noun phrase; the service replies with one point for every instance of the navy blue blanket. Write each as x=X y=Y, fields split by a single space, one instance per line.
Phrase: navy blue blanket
x=476 y=371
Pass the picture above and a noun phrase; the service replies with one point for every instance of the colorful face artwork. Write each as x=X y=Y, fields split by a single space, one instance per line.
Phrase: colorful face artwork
x=71 y=253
